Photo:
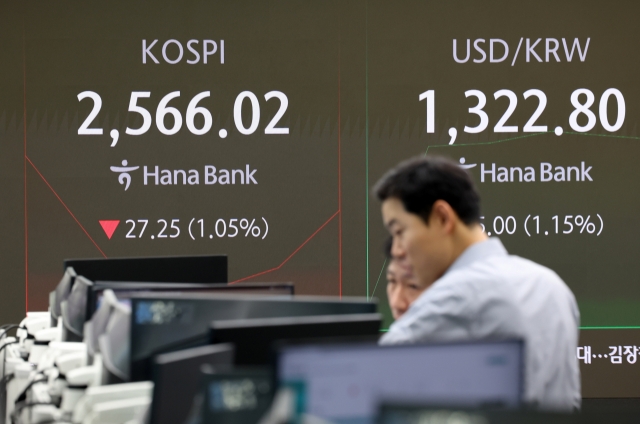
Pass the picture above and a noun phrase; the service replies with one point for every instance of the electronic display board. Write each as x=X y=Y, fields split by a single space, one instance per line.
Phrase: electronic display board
x=257 y=128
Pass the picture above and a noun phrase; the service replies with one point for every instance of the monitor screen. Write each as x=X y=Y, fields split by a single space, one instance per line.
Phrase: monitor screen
x=258 y=129
x=254 y=338
x=176 y=377
x=169 y=322
x=168 y=269
x=240 y=395
x=346 y=383
x=125 y=290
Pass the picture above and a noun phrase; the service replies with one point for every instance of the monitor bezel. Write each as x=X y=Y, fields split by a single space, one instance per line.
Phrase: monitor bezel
x=332 y=344
x=146 y=287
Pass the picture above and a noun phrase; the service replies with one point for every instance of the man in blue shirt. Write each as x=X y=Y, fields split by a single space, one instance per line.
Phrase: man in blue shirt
x=472 y=289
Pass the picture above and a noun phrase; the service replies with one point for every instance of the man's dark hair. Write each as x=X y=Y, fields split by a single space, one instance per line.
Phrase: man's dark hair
x=419 y=182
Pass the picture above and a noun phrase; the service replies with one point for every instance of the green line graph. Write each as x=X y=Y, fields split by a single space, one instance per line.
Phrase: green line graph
x=366 y=128
x=379 y=275
x=613 y=327
x=528 y=136
x=604 y=135
x=486 y=142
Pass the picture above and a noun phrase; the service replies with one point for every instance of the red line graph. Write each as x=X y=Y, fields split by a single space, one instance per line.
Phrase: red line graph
x=291 y=255
x=65 y=206
x=337 y=213
x=26 y=222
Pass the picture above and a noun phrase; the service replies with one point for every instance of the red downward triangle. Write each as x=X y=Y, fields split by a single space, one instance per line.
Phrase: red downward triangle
x=109 y=226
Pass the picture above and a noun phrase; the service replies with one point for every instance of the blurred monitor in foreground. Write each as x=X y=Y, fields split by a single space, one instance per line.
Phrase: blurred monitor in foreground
x=125 y=290
x=403 y=413
x=412 y=414
x=254 y=338
x=163 y=322
x=176 y=377
x=345 y=383
x=74 y=310
x=114 y=346
x=166 y=269
x=98 y=324
x=60 y=294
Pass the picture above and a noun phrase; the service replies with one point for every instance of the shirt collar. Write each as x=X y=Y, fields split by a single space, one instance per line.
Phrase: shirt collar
x=479 y=251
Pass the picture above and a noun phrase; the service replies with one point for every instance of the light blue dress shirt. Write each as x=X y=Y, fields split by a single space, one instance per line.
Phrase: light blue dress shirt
x=488 y=294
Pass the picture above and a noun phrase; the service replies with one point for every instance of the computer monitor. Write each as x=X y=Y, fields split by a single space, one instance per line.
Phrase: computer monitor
x=97 y=326
x=402 y=413
x=254 y=338
x=168 y=269
x=74 y=310
x=115 y=348
x=60 y=294
x=124 y=290
x=346 y=382
x=176 y=377
x=236 y=396
x=168 y=322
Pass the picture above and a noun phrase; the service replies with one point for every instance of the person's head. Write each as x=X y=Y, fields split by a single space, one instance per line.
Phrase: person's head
x=431 y=208
x=402 y=287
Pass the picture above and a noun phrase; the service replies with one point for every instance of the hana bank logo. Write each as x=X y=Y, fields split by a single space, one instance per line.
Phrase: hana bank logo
x=463 y=164
x=124 y=178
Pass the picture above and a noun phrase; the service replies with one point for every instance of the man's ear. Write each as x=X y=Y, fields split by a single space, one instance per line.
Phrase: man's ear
x=443 y=215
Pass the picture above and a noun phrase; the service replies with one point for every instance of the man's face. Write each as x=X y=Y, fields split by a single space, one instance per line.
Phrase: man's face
x=427 y=248
x=402 y=287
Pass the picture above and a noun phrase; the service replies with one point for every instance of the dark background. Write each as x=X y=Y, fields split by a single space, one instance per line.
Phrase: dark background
x=352 y=71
